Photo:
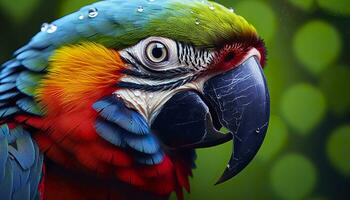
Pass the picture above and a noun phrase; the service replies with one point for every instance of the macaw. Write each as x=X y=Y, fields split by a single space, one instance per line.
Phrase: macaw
x=111 y=101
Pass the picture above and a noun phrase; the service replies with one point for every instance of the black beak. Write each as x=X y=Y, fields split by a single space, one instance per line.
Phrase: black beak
x=239 y=100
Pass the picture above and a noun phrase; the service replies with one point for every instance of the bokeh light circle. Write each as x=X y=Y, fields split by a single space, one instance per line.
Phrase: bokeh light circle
x=276 y=139
x=339 y=7
x=302 y=4
x=303 y=106
x=19 y=10
x=317 y=45
x=293 y=177
x=338 y=149
x=334 y=84
x=263 y=18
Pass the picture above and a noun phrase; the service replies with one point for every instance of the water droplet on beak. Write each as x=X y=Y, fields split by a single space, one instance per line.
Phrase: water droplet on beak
x=257 y=130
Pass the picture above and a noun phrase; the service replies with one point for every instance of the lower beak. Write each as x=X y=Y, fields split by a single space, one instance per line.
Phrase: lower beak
x=237 y=99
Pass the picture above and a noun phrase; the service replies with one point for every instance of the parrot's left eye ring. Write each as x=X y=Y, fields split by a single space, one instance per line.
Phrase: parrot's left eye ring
x=157 y=52
x=154 y=54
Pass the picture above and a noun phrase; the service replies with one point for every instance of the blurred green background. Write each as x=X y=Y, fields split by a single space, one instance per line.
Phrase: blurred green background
x=306 y=154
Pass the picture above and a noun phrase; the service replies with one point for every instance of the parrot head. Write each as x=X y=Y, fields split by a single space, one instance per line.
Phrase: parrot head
x=129 y=89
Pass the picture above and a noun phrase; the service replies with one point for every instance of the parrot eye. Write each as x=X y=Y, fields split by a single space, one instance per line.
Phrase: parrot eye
x=154 y=54
x=157 y=52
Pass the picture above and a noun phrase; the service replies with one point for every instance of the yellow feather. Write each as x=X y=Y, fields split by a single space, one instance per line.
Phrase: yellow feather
x=77 y=71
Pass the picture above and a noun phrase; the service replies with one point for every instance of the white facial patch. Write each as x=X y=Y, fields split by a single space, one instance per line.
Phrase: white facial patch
x=149 y=104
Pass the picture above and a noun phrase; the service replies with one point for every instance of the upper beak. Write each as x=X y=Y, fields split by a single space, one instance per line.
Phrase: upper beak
x=238 y=99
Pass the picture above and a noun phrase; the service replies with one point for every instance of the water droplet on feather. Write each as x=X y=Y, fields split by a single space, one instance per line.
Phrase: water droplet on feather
x=137 y=93
x=211 y=7
x=44 y=27
x=93 y=12
x=52 y=28
x=140 y=9
x=48 y=28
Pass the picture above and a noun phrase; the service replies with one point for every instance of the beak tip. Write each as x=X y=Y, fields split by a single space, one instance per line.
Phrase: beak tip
x=227 y=175
x=220 y=181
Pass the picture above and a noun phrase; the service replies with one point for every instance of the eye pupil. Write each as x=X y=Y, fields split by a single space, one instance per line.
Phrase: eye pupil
x=158 y=51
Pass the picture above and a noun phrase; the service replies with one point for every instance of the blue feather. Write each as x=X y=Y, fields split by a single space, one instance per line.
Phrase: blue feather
x=37 y=42
x=6 y=184
x=22 y=49
x=85 y=30
x=28 y=105
x=7 y=72
x=113 y=127
x=28 y=54
x=36 y=173
x=7 y=63
x=23 y=193
x=105 y=22
x=20 y=165
x=4 y=131
x=6 y=87
x=9 y=79
x=8 y=96
x=113 y=110
x=145 y=144
x=110 y=132
x=8 y=69
x=61 y=36
x=20 y=178
x=24 y=154
x=37 y=64
x=152 y=159
x=5 y=112
x=27 y=83
x=12 y=64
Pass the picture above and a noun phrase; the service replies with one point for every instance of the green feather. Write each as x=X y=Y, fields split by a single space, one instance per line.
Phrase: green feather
x=194 y=23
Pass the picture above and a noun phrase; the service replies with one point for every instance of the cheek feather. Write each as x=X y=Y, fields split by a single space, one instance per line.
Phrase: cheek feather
x=78 y=72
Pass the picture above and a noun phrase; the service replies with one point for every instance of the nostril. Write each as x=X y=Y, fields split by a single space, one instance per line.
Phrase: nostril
x=229 y=57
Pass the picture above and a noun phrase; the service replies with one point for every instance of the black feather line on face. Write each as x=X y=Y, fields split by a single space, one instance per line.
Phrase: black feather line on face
x=152 y=77
x=155 y=88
